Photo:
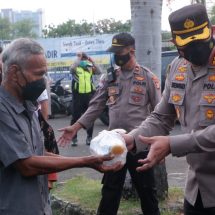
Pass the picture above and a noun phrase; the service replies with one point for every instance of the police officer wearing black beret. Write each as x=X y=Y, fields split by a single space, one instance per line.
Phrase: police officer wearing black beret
x=189 y=95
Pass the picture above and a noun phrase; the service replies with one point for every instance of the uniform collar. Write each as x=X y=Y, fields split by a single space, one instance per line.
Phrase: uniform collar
x=127 y=74
x=199 y=72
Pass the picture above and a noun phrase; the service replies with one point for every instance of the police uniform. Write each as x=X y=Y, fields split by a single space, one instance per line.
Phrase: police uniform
x=130 y=99
x=189 y=95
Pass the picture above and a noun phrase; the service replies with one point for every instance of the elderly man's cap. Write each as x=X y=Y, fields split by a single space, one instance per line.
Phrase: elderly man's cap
x=121 y=41
x=189 y=24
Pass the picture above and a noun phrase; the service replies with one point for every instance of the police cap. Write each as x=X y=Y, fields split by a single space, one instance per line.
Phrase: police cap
x=189 y=24
x=120 y=41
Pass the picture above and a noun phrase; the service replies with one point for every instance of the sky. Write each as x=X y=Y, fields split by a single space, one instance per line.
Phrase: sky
x=57 y=12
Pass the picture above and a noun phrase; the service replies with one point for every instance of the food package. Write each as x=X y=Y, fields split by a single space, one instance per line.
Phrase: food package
x=110 y=142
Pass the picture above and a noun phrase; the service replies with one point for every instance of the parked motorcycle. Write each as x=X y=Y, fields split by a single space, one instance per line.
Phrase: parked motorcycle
x=61 y=99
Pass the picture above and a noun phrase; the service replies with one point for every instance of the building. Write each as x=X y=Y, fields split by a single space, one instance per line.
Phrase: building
x=35 y=16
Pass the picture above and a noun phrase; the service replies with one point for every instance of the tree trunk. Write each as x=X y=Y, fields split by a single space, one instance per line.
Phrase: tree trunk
x=146 y=29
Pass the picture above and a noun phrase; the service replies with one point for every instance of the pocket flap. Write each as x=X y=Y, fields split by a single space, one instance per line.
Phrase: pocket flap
x=138 y=89
x=113 y=91
x=207 y=99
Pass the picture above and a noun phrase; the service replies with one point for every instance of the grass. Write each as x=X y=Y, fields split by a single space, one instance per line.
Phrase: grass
x=87 y=193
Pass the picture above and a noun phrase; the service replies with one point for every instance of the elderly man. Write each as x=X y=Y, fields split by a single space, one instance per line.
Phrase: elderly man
x=23 y=163
x=189 y=95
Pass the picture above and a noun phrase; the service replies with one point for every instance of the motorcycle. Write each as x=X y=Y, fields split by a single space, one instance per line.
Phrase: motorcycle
x=61 y=99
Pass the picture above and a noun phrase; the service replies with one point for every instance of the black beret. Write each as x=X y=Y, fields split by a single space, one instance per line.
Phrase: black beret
x=120 y=41
x=189 y=24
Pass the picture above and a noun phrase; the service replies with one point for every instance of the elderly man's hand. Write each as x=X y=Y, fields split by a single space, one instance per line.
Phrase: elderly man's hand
x=96 y=162
x=159 y=149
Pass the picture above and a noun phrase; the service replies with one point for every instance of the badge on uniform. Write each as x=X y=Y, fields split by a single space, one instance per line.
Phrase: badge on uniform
x=209 y=98
x=176 y=98
x=136 y=99
x=112 y=90
x=209 y=114
x=179 y=77
x=112 y=100
x=211 y=78
x=156 y=81
x=139 y=78
x=138 y=89
x=182 y=69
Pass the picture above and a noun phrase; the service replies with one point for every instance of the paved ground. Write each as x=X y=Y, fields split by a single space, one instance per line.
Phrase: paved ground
x=176 y=167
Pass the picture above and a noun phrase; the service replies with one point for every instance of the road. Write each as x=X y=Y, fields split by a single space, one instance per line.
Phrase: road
x=176 y=167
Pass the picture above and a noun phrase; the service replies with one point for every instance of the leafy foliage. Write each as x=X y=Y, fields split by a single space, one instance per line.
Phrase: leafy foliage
x=71 y=28
x=212 y=16
x=23 y=28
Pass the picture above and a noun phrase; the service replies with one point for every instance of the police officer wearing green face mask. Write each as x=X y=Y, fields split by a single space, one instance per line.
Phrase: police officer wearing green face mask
x=83 y=89
x=130 y=97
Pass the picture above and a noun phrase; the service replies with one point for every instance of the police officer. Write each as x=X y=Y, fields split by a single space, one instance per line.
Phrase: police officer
x=130 y=97
x=83 y=89
x=189 y=95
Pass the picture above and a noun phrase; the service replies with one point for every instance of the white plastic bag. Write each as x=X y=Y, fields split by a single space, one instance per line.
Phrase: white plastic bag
x=110 y=142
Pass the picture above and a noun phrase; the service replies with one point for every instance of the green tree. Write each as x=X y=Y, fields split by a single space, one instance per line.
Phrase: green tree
x=71 y=28
x=5 y=29
x=23 y=28
x=212 y=16
x=112 y=26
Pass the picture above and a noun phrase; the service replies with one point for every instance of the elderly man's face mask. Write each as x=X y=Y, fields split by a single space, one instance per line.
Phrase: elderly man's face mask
x=197 y=52
x=32 y=90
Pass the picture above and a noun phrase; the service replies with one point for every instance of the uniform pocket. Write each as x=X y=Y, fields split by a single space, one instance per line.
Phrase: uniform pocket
x=113 y=94
x=207 y=112
x=137 y=95
x=137 y=99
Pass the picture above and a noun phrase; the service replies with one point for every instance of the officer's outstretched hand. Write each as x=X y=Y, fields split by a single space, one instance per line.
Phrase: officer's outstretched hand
x=159 y=149
x=96 y=162
x=68 y=134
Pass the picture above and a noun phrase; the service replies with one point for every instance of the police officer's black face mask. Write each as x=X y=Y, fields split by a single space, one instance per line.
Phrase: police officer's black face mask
x=198 y=52
x=121 y=60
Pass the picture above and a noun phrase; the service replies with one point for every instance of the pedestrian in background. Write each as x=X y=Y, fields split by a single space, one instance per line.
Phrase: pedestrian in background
x=131 y=92
x=82 y=89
